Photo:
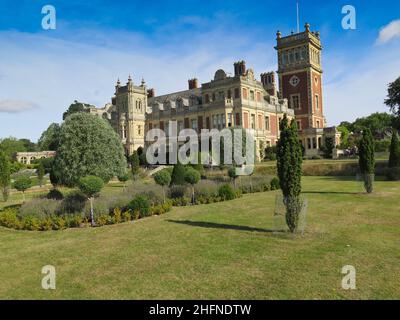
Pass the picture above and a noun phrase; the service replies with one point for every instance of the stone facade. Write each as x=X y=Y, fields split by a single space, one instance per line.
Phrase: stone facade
x=234 y=101
x=29 y=157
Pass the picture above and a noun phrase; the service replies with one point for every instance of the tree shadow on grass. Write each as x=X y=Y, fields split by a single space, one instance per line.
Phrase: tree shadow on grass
x=331 y=192
x=213 y=225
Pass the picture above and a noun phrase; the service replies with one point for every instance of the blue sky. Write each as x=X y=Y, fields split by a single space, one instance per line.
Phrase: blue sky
x=168 y=42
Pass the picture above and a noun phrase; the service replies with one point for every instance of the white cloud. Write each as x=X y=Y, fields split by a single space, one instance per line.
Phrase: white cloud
x=54 y=72
x=362 y=89
x=16 y=106
x=389 y=32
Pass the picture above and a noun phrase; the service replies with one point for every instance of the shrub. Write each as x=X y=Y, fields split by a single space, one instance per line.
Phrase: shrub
x=180 y=202
x=126 y=216
x=141 y=204
x=155 y=196
x=73 y=203
x=59 y=223
x=117 y=215
x=46 y=224
x=55 y=194
x=102 y=220
x=275 y=183
x=39 y=208
x=226 y=192
x=74 y=221
x=9 y=219
x=31 y=223
x=136 y=215
x=177 y=192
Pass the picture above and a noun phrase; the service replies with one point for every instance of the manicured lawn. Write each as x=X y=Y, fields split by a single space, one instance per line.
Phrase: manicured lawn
x=220 y=251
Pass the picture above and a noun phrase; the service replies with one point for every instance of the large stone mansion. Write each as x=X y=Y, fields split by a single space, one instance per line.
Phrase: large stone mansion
x=230 y=101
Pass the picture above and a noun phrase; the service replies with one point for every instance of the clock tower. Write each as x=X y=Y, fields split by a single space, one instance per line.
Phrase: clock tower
x=300 y=76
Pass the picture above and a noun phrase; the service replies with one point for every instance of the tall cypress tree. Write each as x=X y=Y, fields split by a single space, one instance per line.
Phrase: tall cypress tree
x=289 y=161
x=5 y=175
x=394 y=159
x=367 y=159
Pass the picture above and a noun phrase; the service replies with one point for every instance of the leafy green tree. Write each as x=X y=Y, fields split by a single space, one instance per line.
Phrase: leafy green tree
x=40 y=173
x=289 y=161
x=76 y=107
x=367 y=159
x=192 y=177
x=344 y=137
x=178 y=174
x=135 y=164
x=88 y=146
x=22 y=184
x=29 y=145
x=140 y=204
x=50 y=139
x=91 y=186
x=5 y=175
x=12 y=145
x=394 y=158
x=379 y=123
x=163 y=178
x=393 y=98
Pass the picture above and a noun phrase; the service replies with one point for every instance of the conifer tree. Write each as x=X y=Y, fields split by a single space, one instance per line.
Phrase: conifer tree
x=135 y=164
x=5 y=173
x=289 y=161
x=394 y=159
x=367 y=159
x=178 y=174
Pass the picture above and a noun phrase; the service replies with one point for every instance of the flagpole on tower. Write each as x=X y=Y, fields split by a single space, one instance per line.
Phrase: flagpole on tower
x=298 y=18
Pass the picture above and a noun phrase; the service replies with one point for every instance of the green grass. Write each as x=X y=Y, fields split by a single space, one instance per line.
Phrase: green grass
x=220 y=251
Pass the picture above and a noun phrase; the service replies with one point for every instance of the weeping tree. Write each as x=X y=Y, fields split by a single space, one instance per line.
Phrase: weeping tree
x=5 y=173
x=367 y=159
x=289 y=161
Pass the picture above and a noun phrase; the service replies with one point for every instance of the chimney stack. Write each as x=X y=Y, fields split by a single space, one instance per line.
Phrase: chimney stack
x=240 y=68
x=151 y=93
x=268 y=82
x=193 y=83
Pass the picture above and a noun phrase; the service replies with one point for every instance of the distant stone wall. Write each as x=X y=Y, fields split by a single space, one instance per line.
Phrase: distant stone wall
x=29 y=157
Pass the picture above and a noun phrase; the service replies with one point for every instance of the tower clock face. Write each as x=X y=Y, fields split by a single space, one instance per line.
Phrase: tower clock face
x=294 y=81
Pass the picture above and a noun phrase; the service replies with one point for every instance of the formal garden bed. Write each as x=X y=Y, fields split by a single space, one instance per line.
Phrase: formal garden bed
x=70 y=208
